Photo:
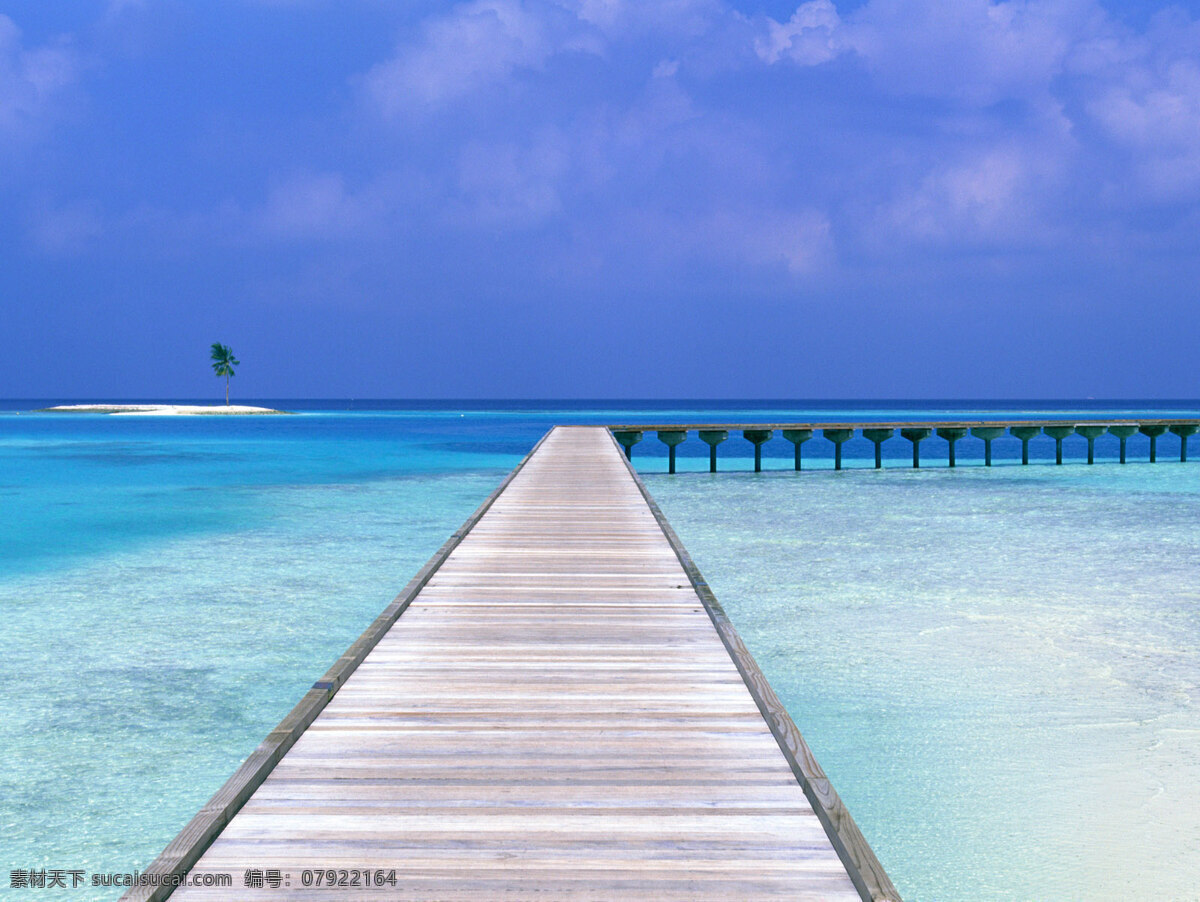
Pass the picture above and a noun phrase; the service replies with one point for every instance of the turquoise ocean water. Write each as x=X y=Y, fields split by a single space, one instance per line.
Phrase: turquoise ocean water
x=1000 y=669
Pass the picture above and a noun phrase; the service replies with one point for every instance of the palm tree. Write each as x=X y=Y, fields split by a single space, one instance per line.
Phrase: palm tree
x=223 y=364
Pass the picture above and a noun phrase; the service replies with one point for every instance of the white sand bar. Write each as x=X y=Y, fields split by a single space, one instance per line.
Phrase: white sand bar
x=155 y=410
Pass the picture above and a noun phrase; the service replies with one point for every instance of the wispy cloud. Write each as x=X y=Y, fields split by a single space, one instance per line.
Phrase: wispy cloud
x=482 y=43
x=512 y=184
x=792 y=145
x=1037 y=117
x=1145 y=97
x=312 y=205
x=64 y=230
x=636 y=158
x=30 y=79
x=473 y=46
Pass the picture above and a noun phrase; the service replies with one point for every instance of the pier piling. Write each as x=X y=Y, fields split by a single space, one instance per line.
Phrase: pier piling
x=951 y=434
x=1153 y=431
x=627 y=438
x=797 y=437
x=757 y=437
x=1183 y=430
x=671 y=438
x=878 y=436
x=1091 y=431
x=916 y=435
x=1058 y=433
x=987 y=434
x=1025 y=433
x=712 y=438
x=627 y=435
x=838 y=437
x=1122 y=431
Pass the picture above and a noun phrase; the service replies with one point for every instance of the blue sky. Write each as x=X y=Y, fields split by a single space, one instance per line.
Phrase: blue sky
x=601 y=198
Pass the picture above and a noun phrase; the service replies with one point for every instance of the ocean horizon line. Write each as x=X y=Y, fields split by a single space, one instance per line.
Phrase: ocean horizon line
x=730 y=401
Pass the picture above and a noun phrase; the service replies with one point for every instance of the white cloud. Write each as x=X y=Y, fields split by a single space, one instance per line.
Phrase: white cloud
x=984 y=199
x=1045 y=113
x=482 y=43
x=812 y=36
x=1145 y=96
x=604 y=14
x=973 y=50
x=476 y=44
x=799 y=241
x=1033 y=119
x=303 y=208
x=794 y=243
x=316 y=206
x=678 y=18
x=512 y=185
x=30 y=78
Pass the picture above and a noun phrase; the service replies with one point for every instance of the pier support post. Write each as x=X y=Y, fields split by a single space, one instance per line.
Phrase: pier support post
x=987 y=434
x=712 y=438
x=1153 y=430
x=1183 y=430
x=838 y=437
x=1091 y=432
x=1058 y=433
x=757 y=437
x=878 y=436
x=952 y=434
x=916 y=435
x=627 y=438
x=797 y=437
x=1123 y=431
x=671 y=438
x=1025 y=433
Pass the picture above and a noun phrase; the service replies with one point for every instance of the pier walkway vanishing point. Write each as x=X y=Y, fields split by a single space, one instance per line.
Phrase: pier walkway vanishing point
x=562 y=712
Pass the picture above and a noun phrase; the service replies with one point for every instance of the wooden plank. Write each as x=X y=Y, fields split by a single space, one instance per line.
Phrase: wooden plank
x=869 y=876
x=557 y=714
x=185 y=850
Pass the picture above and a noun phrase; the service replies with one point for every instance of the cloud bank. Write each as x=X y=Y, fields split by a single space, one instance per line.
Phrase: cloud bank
x=679 y=154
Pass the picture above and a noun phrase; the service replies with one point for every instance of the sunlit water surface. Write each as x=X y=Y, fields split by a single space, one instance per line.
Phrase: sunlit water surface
x=998 y=668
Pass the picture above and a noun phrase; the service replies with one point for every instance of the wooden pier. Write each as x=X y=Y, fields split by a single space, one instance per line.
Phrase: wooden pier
x=915 y=431
x=556 y=707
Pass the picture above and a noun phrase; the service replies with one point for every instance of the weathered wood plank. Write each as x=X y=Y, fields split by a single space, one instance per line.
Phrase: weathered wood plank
x=864 y=867
x=558 y=713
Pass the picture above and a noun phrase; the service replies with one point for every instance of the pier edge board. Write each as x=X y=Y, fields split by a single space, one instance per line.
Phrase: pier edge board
x=897 y=424
x=864 y=868
x=182 y=852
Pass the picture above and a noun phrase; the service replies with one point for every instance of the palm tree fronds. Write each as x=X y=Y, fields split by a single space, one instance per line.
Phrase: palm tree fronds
x=223 y=363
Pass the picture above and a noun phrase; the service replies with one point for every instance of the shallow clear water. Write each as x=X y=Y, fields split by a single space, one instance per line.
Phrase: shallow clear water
x=135 y=681
x=998 y=668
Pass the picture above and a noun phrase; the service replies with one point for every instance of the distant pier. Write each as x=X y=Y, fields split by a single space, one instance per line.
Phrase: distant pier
x=914 y=432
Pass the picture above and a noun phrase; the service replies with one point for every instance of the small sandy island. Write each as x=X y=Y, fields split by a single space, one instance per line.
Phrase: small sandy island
x=158 y=410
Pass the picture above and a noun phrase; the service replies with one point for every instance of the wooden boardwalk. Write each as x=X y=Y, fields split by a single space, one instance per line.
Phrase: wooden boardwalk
x=555 y=715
